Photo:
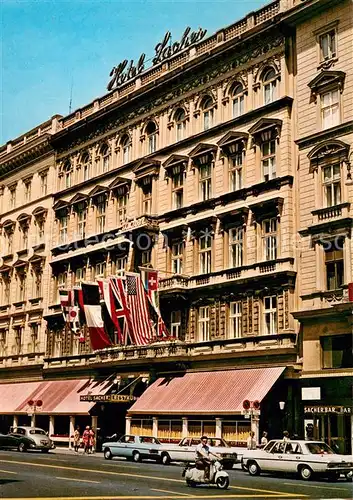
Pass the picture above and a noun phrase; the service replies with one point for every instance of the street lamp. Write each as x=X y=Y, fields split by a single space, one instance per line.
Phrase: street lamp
x=282 y=404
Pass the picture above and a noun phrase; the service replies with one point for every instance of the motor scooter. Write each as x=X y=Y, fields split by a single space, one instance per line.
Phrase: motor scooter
x=219 y=477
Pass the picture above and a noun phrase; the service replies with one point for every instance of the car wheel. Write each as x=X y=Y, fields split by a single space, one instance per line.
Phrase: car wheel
x=136 y=456
x=108 y=455
x=305 y=472
x=165 y=459
x=22 y=447
x=222 y=482
x=254 y=469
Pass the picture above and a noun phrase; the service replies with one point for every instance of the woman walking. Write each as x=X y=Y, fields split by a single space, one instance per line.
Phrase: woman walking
x=87 y=438
x=77 y=437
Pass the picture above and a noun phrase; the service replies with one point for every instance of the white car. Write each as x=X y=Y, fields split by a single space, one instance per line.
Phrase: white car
x=302 y=457
x=184 y=451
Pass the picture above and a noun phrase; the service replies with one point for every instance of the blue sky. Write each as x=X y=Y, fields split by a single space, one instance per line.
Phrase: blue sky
x=47 y=46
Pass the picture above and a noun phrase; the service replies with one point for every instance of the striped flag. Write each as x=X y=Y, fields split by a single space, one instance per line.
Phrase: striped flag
x=93 y=312
x=70 y=310
x=137 y=303
x=122 y=310
x=108 y=297
x=150 y=280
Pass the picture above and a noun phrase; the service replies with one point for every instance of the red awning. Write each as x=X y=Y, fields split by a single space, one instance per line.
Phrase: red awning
x=218 y=392
x=58 y=396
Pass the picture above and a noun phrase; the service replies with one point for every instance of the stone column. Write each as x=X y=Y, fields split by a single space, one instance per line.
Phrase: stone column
x=218 y=427
x=71 y=430
x=127 y=425
x=155 y=426
x=15 y=421
x=51 y=425
x=33 y=420
x=255 y=427
x=184 y=431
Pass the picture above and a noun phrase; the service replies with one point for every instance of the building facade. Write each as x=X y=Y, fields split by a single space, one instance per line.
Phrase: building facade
x=200 y=167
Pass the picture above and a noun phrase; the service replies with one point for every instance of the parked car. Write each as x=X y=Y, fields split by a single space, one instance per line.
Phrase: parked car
x=26 y=438
x=305 y=458
x=133 y=448
x=184 y=451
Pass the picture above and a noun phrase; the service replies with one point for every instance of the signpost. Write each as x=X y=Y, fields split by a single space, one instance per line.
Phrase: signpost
x=251 y=410
x=33 y=407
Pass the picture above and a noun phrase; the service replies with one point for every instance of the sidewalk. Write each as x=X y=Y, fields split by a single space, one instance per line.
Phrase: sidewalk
x=62 y=450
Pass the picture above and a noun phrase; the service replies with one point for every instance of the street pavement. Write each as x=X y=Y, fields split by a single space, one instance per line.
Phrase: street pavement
x=63 y=475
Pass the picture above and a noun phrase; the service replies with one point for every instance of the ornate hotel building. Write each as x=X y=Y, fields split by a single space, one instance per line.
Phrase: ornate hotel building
x=225 y=166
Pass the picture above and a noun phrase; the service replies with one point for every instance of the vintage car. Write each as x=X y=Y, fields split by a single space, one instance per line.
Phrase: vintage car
x=133 y=448
x=26 y=438
x=305 y=458
x=184 y=451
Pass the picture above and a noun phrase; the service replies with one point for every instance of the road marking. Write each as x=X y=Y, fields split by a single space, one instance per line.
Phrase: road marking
x=313 y=486
x=8 y=472
x=174 y=492
x=81 y=480
x=149 y=497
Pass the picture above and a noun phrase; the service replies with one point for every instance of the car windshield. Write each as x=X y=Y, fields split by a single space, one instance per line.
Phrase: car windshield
x=269 y=446
x=218 y=442
x=319 y=449
x=37 y=431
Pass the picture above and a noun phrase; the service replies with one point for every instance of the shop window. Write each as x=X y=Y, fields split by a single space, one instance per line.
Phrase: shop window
x=236 y=235
x=328 y=45
x=334 y=262
x=238 y=100
x=205 y=252
x=180 y=124
x=205 y=181
x=330 y=108
x=270 y=315
x=175 y=324
x=235 y=320
x=332 y=184
x=177 y=251
x=151 y=133
x=207 y=107
x=337 y=351
x=269 y=238
x=203 y=324
x=269 y=82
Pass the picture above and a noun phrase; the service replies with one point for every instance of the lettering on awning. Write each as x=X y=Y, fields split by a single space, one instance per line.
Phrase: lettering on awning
x=108 y=398
x=328 y=409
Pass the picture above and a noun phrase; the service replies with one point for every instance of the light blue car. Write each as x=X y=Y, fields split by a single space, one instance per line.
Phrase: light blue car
x=133 y=448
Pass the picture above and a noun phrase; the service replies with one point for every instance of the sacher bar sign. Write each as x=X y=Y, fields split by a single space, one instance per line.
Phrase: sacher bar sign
x=108 y=398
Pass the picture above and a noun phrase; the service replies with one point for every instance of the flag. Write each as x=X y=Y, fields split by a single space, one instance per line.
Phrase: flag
x=122 y=310
x=111 y=319
x=150 y=280
x=137 y=303
x=70 y=310
x=78 y=301
x=93 y=313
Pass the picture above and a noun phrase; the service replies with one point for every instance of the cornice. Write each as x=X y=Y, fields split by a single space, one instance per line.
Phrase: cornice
x=325 y=135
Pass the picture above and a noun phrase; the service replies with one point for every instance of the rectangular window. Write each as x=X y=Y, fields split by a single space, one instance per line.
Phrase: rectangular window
x=28 y=189
x=81 y=221
x=332 y=185
x=268 y=159
x=126 y=153
x=175 y=324
x=100 y=270
x=235 y=320
x=24 y=239
x=146 y=258
x=205 y=252
x=121 y=209
x=177 y=189
x=63 y=223
x=152 y=143
x=180 y=130
x=177 y=257
x=238 y=105
x=270 y=315
x=147 y=198
x=120 y=265
x=330 y=112
x=236 y=246
x=208 y=117
x=6 y=289
x=337 y=351
x=37 y=284
x=34 y=328
x=205 y=181
x=334 y=262
x=43 y=184
x=269 y=237
x=236 y=169
x=3 y=342
x=80 y=275
x=101 y=213
x=21 y=289
x=9 y=238
x=40 y=231
x=328 y=49
x=204 y=324
x=18 y=340
x=13 y=197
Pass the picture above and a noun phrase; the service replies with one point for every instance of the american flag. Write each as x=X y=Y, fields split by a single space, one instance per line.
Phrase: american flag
x=122 y=309
x=137 y=303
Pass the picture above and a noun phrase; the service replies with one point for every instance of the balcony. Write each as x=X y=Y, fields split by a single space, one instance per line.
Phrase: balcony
x=15 y=360
x=322 y=215
x=145 y=222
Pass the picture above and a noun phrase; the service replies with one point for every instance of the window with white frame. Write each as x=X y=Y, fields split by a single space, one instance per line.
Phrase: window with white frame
x=43 y=183
x=63 y=228
x=268 y=157
x=151 y=133
x=177 y=188
x=328 y=45
x=177 y=257
x=180 y=124
x=125 y=144
x=205 y=252
x=121 y=208
x=203 y=324
x=80 y=275
x=235 y=320
x=28 y=190
x=100 y=269
x=12 y=191
x=330 y=108
x=120 y=265
x=236 y=167
x=61 y=283
x=81 y=220
x=205 y=181
x=86 y=167
x=269 y=82
x=207 y=112
x=270 y=315
x=236 y=235
x=334 y=263
x=270 y=238
x=101 y=208
x=67 y=175
x=146 y=258
x=332 y=184
x=147 y=196
x=105 y=152
x=175 y=324
x=238 y=100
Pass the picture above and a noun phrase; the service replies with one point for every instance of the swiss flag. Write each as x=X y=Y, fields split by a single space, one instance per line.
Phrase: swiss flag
x=152 y=281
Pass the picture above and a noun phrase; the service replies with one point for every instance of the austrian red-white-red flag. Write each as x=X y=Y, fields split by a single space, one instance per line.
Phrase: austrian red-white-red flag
x=137 y=303
x=93 y=312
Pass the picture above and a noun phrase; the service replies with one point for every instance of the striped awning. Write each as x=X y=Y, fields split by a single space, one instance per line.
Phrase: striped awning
x=217 y=392
x=61 y=397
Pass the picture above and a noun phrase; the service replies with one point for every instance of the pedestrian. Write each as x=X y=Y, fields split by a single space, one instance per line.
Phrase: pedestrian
x=264 y=439
x=92 y=443
x=86 y=438
x=251 y=441
x=286 y=436
x=77 y=439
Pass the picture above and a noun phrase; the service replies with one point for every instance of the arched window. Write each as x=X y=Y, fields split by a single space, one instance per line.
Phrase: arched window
x=238 y=100
x=67 y=175
x=269 y=81
x=105 y=152
x=207 y=107
x=180 y=124
x=86 y=166
x=125 y=144
x=151 y=132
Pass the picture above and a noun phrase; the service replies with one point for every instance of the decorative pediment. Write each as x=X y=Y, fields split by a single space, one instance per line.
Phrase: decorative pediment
x=327 y=79
x=119 y=182
x=23 y=219
x=8 y=225
x=98 y=191
x=204 y=224
x=36 y=259
x=176 y=160
x=265 y=125
x=60 y=205
x=203 y=153
x=146 y=167
x=267 y=208
x=40 y=212
x=78 y=198
x=233 y=217
x=331 y=150
x=19 y=264
x=229 y=141
x=5 y=269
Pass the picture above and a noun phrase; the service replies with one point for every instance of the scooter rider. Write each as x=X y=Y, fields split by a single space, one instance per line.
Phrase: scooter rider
x=202 y=456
